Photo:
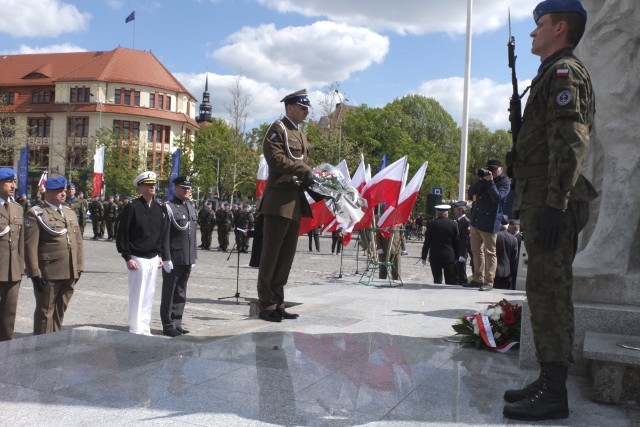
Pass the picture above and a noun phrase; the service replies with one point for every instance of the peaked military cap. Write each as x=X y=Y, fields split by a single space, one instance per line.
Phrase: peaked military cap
x=183 y=181
x=461 y=204
x=443 y=207
x=148 y=177
x=559 y=6
x=300 y=97
x=56 y=183
x=8 y=174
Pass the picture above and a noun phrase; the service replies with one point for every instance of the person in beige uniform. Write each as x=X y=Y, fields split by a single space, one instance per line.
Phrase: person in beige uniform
x=11 y=252
x=53 y=255
x=285 y=148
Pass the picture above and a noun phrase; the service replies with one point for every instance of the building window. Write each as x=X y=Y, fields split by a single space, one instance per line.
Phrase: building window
x=79 y=94
x=6 y=155
x=39 y=156
x=126 y=130
x=116 y=97
x=41 y=97
x=7 y=127
x=152 y=100
x=161 y=101
x=77 y=156
x=127 y=97
x=78 y=127
x=7 y=98
x=168 y=103
x=39 y=127
x=136 y=98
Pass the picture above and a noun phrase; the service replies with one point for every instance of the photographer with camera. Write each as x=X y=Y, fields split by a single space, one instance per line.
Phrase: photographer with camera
x=488 y=193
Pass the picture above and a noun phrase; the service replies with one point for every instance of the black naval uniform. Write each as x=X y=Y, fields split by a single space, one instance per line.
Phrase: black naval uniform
x=180 y=248
x=440 y=244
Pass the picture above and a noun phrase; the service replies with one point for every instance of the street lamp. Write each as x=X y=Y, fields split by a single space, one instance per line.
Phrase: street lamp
x=339 y=114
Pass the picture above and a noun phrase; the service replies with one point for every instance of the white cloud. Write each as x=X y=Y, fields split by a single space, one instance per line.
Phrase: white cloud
x=488 y=100
x=54 y=48
x=410 y=16
x=311 y=55
x=40 y=18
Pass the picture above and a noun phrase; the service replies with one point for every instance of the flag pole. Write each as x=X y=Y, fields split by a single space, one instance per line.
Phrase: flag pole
x=134 y=31
x=465 y=110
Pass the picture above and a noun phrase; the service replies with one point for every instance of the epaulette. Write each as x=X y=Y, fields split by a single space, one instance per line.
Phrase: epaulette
x=160 y=202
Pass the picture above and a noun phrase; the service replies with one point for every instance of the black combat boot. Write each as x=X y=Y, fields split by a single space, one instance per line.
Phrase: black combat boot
x=528 y=390
x=548 y=401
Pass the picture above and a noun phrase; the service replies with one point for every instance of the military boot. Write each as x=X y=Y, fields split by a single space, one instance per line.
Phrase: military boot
x=528 y=390
x=548 y=401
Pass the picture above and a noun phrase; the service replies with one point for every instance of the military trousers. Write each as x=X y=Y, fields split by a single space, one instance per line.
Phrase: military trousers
x=223 y=238
x=485 y=260
x=8 y=304
x=448 y=268
x=174 y=296
x=280 y=239
x=549 y=284
x=205 y=236
x=51 y=303
x=95 y=223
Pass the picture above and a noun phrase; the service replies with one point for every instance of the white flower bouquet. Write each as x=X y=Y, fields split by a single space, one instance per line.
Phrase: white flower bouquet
x=341 y=198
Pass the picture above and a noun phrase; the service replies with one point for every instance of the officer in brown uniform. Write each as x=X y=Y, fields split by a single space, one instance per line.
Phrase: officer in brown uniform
x=285 y=148
x=552 y=198
x=53 y=255
x=11 y=252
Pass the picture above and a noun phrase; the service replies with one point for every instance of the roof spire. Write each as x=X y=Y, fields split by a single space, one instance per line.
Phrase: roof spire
x=205 y=107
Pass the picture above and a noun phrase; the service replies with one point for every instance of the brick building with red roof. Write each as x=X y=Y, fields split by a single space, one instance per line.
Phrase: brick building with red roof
x=61 y=100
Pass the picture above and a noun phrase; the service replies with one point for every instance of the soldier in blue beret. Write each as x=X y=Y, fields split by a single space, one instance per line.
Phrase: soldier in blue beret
x=11 y=252
x=552 y=198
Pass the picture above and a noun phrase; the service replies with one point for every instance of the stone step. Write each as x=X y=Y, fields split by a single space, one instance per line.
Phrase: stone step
x=614 y=367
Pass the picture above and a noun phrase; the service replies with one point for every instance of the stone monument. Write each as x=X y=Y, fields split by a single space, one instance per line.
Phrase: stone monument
x=607 y=266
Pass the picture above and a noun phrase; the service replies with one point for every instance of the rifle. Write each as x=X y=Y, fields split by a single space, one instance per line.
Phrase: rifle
x=515 y=106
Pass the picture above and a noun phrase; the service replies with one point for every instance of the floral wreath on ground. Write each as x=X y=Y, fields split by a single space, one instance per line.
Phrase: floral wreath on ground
x=497 y=328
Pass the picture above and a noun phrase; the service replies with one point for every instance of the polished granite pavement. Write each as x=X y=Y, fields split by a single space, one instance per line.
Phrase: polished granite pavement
x=358 y=355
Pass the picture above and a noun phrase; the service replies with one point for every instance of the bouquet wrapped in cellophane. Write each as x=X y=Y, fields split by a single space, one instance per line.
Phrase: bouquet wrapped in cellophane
x=341 y=198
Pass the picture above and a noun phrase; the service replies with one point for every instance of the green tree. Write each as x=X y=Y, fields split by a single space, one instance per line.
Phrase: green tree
x=121 y=161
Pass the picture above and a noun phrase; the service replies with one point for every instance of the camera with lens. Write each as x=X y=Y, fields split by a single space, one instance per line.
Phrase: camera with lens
x=483 y=172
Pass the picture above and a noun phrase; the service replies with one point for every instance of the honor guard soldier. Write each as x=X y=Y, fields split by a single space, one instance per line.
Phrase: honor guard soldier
x=224 y=220
x=11 y=252
x=139 y=241
x=78 y=205
x=178 y=256
x=110 y=214
x=552 y=198
x=285 y=149
x=97 y=211
x=53 y=255
x=206 y=221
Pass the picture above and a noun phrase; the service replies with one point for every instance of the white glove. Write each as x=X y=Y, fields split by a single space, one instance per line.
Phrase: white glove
x=168 y=266
x=462 y=259
x=424 y=262
x=380 y=251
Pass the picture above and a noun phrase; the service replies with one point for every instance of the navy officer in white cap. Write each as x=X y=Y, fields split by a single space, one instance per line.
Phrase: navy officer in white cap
x=439 y=244
x=139 y=241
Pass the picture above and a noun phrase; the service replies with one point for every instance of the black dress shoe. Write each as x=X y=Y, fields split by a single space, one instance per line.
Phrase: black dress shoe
x=270 y=316
x=172 y=333
x=285 y=314
x=182 y=331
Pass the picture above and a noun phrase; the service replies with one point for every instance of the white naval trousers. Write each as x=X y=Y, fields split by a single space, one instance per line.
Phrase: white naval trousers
x=142 y=286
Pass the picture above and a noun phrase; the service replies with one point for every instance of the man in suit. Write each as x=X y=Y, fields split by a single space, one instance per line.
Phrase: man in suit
x=285 y=149
x=11 y=252
x=139 y=241
x=459 y=210
x=178 y=256
x=53 y=255
x=440 y=241
x=507 y=254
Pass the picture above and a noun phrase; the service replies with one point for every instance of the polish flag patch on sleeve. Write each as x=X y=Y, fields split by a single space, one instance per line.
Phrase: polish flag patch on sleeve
x=562 y=72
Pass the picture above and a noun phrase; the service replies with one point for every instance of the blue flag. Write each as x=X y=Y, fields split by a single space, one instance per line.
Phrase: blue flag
x=175 y=171
x=23 y=171
x=384 y=161
x=131 y=17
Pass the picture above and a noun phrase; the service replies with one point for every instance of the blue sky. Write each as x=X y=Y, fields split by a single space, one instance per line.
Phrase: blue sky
x=375 y=50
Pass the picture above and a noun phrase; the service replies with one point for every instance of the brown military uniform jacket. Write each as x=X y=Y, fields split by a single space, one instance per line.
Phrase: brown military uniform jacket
x=11 y=242
x=285 y=150
x=549 y=158
x=53 y=243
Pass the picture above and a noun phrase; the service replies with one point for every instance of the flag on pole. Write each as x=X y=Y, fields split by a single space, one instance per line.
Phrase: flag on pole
x=98 y=171
x=263 y=174
x=175 y=172
x=358 y=180
x=43 y=181
x=406 y=201
x=385 y=186
x=23 y=171
x=131 y=17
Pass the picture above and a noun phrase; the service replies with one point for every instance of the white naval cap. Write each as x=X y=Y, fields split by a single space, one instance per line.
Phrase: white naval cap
x=442 y=207
x=147 y=177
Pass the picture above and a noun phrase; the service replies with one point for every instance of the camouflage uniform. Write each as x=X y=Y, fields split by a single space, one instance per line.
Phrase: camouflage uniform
x=80 y=209
x=224 y=220
x=97 y=212
x=550 y=151
x=206 y=221
x=243 y=220
x=103 y=222
x=110 y=215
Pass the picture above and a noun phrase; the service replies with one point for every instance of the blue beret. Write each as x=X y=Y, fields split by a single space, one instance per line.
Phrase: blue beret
x=559 y=6
x=56 y=183
x=8 y=174
x=208 y=203
x=72 y=185
x=127 y=197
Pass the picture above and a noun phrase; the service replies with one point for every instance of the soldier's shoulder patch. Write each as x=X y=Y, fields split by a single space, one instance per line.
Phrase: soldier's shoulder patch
x=27 y=223
x=562 y=71
x=564 y=97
